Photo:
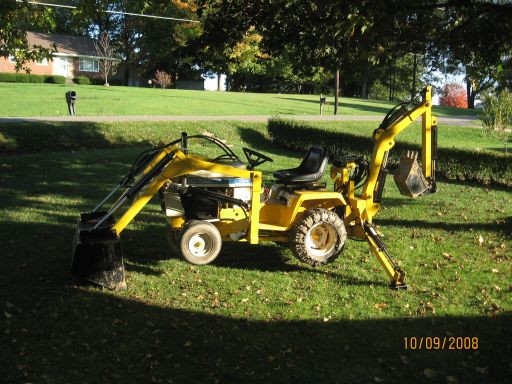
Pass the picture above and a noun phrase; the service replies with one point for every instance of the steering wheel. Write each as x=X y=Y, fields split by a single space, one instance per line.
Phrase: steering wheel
x=255 y=158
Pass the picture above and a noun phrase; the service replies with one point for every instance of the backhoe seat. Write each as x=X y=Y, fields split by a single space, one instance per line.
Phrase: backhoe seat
x=310 y=169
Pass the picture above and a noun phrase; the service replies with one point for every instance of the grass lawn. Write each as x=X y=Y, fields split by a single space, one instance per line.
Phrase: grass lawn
x=256 y=314
x=48 y=100
x=51 y=136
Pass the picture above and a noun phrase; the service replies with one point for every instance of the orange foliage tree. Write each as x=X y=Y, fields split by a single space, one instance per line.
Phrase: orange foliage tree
x=454 y=95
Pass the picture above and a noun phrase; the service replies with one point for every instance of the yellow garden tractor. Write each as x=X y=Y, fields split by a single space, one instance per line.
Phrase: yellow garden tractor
x=207 y=201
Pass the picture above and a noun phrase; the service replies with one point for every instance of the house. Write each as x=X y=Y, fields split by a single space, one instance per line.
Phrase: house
x=75 y=56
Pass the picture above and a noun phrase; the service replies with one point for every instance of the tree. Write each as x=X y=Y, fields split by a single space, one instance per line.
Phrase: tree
x=359 y=34
x=454 y=95
x=497 y=115
x=105 y=51
x=13 y=39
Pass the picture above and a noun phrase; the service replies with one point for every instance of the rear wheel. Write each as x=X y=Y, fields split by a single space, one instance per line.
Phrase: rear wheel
x=200 y=242
x=319 y=237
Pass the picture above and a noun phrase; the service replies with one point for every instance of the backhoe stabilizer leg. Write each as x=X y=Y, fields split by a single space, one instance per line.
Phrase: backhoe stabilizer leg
x=395 y=273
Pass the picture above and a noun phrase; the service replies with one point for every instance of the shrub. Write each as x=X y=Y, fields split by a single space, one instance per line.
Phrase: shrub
x=114 y=81
x=55 y=79
x=497 y=115
x=82 y=80
x=163 y=79
x=378 y=91
x=483 y=167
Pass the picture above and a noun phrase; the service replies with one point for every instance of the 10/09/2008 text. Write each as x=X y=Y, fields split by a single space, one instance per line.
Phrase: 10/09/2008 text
x=440 y=343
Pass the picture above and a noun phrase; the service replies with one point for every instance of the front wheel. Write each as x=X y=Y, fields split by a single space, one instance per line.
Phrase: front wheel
x=318 y=238
x=200 y=242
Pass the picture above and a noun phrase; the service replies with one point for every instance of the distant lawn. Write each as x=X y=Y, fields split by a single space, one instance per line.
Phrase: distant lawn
x=48 y=100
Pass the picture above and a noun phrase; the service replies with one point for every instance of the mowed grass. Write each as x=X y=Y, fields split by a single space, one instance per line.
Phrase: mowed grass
x=48 y=100
x=256 y=314
x=33 y=137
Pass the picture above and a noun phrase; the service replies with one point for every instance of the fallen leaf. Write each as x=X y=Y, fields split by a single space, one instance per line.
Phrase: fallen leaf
x=480 y=240
x=447 y=256
x=378 y=379
x=7 y=315
x=482 y=370
x=494 y=270
x=429 y=373
x=404 y=359
x=452 y=380
x=380 y=306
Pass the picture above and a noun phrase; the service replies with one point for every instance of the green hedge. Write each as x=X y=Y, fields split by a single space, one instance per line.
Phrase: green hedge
x=28 y=78
x=21 y=78
x=55 y=79
x=82 y=80
x=452 y=163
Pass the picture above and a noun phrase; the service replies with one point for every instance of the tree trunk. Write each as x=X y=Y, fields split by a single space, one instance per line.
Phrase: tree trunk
x=470 y=94
x=414 y=71
x=218 y=81
x=336 y=91
x=363 y=93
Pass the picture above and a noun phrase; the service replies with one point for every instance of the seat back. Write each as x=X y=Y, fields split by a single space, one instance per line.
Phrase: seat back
x=312 y=161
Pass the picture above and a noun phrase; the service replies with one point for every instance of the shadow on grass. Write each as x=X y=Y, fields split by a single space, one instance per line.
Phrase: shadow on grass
x=504 y=227
x=43 y=137
x=361 y=107
x=53 y=333
x=60 y=334
x=259 y=142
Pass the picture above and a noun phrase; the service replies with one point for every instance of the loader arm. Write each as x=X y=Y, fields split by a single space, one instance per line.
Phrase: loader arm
x=182 y=164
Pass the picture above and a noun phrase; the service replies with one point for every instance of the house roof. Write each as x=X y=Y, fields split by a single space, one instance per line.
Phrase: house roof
x=67 y=44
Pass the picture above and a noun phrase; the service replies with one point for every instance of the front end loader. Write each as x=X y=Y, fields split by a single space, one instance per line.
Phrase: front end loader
x=209 y=200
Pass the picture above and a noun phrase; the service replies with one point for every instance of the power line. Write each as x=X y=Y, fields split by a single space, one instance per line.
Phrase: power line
x=112 y=12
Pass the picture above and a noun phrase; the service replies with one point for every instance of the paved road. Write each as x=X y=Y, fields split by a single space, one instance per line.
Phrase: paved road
x=461 y=121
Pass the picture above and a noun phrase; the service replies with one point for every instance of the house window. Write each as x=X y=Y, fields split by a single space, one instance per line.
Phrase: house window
x=89 y=65
x=42 y=62
x=11 y=59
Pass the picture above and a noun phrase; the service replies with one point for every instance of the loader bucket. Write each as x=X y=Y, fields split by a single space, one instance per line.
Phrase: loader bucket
x=97 y=254
x=408 y=178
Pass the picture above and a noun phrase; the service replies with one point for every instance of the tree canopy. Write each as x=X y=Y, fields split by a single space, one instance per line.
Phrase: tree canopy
x=260 y=43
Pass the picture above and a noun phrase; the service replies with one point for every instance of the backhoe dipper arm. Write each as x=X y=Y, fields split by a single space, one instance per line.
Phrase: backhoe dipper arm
x=384 y=141
x=410 y=180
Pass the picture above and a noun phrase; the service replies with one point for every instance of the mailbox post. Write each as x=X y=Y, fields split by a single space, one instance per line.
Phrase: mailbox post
x=323 y=100
x=71 y=99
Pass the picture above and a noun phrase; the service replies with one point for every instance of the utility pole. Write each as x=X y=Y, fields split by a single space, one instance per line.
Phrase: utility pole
x=336 y=91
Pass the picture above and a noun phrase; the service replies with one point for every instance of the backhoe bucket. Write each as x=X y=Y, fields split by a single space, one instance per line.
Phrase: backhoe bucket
x=97 y=254
x=408 y=178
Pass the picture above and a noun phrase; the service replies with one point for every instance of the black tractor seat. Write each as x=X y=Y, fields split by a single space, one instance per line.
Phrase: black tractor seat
x=309 y=171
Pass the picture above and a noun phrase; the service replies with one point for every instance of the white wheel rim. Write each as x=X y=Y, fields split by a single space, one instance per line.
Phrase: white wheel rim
x=321 y=240
x=200 y=244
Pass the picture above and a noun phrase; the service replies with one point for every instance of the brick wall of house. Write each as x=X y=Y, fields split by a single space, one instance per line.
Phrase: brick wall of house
x=35 y=69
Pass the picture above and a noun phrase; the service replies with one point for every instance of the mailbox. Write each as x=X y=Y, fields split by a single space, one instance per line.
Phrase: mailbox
x=71 y=99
